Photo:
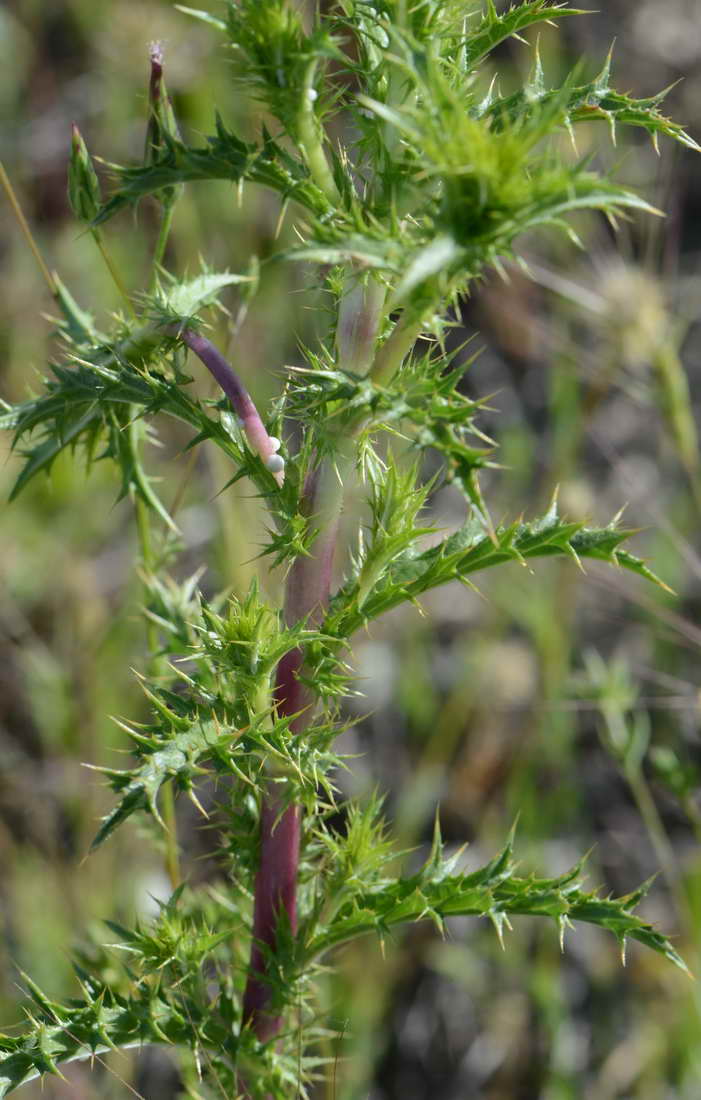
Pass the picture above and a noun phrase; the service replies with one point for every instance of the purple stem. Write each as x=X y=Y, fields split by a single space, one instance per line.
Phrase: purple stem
x=276 y=879
x=306 y=597
x=308 y=586
x=238 y=395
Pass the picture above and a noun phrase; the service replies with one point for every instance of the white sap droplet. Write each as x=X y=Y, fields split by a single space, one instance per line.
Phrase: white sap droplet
x=274 y=443
x=275 y=463
x=312 y=94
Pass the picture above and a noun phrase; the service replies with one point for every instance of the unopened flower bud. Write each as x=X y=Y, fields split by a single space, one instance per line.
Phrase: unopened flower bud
x=83 y=185
x=161 y=123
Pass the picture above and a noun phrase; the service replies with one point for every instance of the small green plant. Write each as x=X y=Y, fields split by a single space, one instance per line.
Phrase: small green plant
x=408 y=174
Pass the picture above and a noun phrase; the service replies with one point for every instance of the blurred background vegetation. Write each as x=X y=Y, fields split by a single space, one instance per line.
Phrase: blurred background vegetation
x=569 y=701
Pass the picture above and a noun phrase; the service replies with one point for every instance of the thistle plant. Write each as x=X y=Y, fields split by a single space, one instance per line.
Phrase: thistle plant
x=408 y=175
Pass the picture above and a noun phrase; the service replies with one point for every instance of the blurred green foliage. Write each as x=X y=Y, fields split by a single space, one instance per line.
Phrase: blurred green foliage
x=594 y=374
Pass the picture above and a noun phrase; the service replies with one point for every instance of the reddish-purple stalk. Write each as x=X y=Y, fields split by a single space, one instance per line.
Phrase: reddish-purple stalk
x=306 y=597
x=251 y=424
x=307 y=593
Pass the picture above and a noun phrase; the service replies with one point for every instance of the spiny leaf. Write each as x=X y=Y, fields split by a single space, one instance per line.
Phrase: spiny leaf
x=440 y=253
x=384 y=255
x=88 y=404
x=495 y=892
x=495 y=28
x=176 y=759
x=470 y=551
x=225 y=157
x=185 y=299
x=76 y=324
x=80 y=1029
x=592 y=101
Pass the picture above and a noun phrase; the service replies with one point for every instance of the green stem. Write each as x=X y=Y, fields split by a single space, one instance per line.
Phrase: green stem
x=677 y=406
x=396 y=347
x=143 y=528
x=664 y=852
x=116 y=277
x=148 y=561
x=162 y=239
x=310 y=140
x=24 y=226
x=172 y=854
x=359 y=314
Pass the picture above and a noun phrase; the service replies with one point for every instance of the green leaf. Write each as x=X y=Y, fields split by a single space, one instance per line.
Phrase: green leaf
x=469 y=551
x=494 y=28
x=381 y=254
x=176 y=759
x=76 y=324
x=438 y=255
x=41 y=457
x=224 y=157
x=204 y=16
x=592 y=101
x=494 y=891
x=186 y=299
x=81 y=1029
x=87 y=403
